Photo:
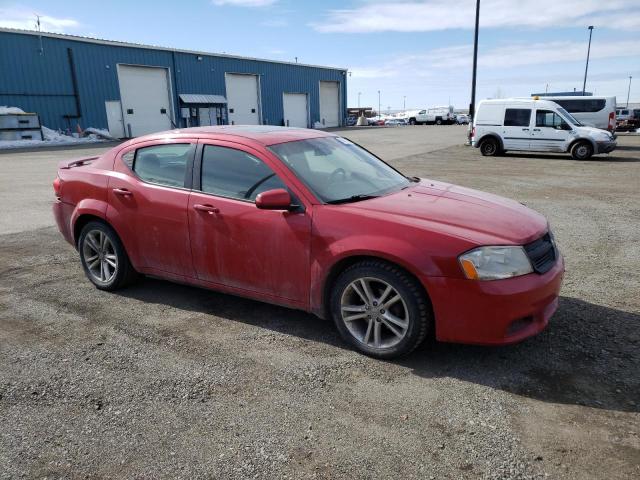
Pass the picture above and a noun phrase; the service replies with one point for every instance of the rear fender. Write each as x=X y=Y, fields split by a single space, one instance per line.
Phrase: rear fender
x=88 y=206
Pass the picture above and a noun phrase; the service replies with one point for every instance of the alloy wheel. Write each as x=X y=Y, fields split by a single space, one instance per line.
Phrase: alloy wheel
x=100 y=256
x=374 y=312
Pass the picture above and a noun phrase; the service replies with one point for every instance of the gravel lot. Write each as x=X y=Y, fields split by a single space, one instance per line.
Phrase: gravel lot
x=164 y=380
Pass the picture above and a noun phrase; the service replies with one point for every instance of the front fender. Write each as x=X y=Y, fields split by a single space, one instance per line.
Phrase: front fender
x=392 y=249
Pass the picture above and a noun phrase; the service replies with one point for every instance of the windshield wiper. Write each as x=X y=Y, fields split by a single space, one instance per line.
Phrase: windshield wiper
x=352 y=198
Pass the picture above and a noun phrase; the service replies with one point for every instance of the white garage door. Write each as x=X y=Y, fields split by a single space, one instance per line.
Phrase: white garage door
x=295 y=109
x=144 y=93
x=242 y=99
x=329 y=104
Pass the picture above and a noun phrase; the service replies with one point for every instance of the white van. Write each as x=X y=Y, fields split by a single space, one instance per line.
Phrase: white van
x=535 y=126
x=599 y=112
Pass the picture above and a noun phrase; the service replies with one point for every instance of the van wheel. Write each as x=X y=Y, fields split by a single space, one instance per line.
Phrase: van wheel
x=439 y=121
x=412 y=121
x=582 y=151
x=489 y=147
x=380 y=309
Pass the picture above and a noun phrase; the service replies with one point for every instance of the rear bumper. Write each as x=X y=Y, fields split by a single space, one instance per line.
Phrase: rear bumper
x=62 y=213
x=498 y=312
x=606 y=147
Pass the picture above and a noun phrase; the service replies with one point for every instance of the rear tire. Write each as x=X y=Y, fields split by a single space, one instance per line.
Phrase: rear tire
x=104 y=259
x=380 y=309
x=412 y=121
x=439 y=121
x=489 y=147
x=582 y=150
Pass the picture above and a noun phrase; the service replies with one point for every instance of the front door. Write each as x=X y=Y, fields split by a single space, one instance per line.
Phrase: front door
x=550 y=133
x=516 y=130
x=148 y=197
x=233 y=242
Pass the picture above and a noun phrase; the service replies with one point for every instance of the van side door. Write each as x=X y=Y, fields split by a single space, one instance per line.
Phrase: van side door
x=516 y=130
x=550 y=133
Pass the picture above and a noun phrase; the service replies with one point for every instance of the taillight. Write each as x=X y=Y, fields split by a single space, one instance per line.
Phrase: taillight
x=473 y=132
x=612 y=121
x=57 y=187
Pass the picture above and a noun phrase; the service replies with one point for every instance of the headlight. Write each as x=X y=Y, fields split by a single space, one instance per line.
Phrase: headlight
x=493 y=263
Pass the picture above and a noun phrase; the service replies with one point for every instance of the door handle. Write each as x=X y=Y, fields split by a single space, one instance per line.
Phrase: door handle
x=536 y=129
x=122 y=191
x=525 y=129
x=210 y=209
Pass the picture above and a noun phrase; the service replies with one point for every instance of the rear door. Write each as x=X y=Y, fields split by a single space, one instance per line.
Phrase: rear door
x=550 y=133
x=148 y=196
x=516 y=130
x=234 y=243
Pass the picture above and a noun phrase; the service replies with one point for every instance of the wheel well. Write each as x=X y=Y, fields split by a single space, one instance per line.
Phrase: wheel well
x=578 y=140
x=495 y=137
x=81 y=221
x=345 y=263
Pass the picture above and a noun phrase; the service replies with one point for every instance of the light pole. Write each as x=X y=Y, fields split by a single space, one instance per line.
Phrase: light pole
x=472 y=105
x=628 y=91
x=359 y=93
x=404 y=103
x=584 y=84
x=475 y=63
x=379 y=112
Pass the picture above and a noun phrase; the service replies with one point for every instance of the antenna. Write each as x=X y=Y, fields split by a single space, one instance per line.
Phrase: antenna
x=41 y=52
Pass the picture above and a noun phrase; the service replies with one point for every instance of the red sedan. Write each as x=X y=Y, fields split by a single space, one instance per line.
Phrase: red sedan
x=312 y=221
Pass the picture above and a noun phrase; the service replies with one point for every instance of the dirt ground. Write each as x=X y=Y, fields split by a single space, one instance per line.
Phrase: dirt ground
x=164 y=380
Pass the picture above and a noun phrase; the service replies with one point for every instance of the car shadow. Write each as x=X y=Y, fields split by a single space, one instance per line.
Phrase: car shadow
x=560 y=156
x=589 y=355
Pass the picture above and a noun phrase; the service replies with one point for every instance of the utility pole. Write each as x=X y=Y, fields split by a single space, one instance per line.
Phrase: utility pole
x=359 y=93
x=584 y=84
x=404 y=103
x=629 y=91
x=475 y=63
x=379 y=112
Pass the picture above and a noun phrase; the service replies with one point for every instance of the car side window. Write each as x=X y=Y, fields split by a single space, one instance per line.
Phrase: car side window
x=235 y=174
x=517 y=117
x=161 y=164
x=548 y=118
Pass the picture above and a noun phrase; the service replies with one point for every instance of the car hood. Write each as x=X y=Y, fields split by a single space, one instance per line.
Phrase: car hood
x=479 y=217
x=591 y=131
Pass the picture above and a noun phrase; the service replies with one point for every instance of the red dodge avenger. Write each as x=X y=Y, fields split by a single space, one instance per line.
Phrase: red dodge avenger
x=310 y=220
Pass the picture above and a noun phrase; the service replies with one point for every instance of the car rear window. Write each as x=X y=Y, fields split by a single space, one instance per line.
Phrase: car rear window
x=517 y=117
x=162 y=164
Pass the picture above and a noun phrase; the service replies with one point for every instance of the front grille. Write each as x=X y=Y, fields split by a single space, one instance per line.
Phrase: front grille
x=541 y=253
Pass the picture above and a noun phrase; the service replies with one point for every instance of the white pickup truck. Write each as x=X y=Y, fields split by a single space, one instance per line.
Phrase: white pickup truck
x=437 y=115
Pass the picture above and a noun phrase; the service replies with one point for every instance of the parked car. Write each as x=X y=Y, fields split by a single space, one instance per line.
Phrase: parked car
x=351 y=121
x=434 y=115
x=395 y=121
x=627 y=119
x=535 y=126
x=310 y=220
x=462 y=119
x=592 y=111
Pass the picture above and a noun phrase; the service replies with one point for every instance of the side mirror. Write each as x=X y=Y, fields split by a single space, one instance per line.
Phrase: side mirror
x=276 y=199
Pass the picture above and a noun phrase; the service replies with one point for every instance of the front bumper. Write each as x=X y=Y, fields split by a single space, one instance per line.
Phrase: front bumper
x=606 y=147
x=498 y=312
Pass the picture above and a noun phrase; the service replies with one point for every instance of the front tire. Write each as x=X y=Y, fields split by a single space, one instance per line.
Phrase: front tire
x=104 y=259
x=582 y=151
x=412 y=121
x=380 y=309
x=489 y=147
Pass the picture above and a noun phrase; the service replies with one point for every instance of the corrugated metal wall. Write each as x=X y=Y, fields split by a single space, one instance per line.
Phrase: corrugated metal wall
x=42 y=82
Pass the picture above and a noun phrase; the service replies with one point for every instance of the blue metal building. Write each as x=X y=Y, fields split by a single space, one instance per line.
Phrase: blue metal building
x=135 y=89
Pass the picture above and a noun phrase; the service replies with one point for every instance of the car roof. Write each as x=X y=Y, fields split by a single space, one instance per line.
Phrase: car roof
x=520 y=101
x=263 y=134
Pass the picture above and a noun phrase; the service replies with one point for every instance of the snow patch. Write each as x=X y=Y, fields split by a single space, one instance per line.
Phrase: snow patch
x=4 y=110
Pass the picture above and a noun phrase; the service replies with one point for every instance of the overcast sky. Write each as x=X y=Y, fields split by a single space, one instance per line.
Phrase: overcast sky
x=418 y=49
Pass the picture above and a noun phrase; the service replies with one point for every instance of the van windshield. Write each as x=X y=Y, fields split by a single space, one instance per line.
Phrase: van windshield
x=570 y=117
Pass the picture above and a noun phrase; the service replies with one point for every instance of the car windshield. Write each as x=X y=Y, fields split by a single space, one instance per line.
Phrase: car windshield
x=339 y=171
x=570 y=117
